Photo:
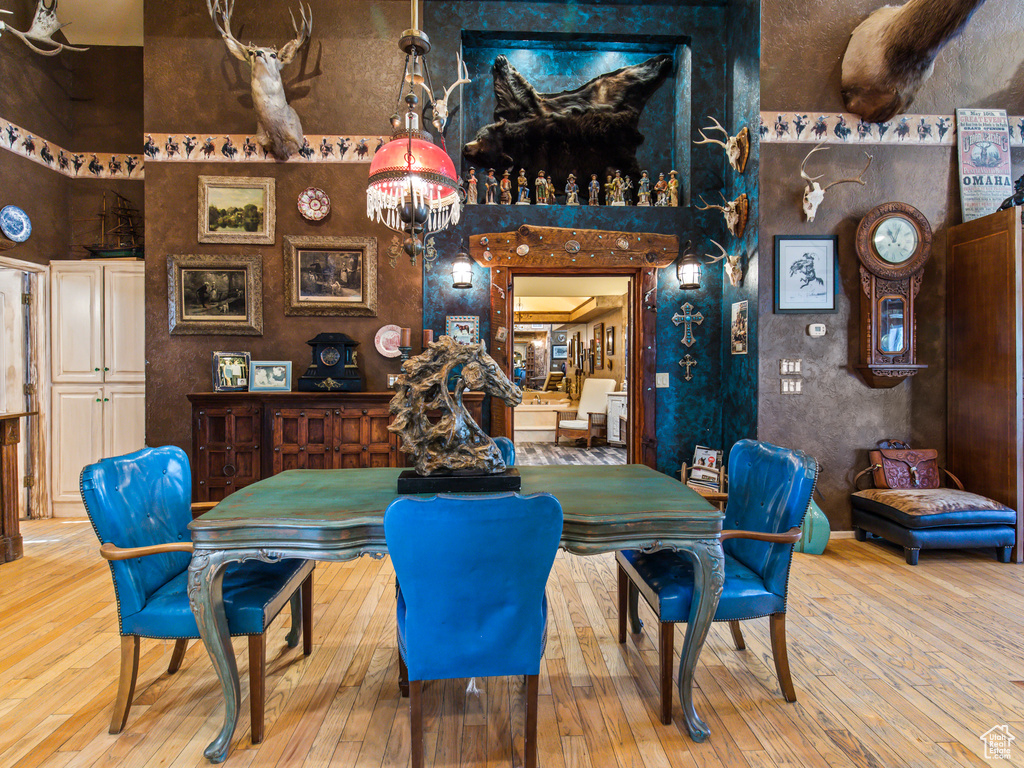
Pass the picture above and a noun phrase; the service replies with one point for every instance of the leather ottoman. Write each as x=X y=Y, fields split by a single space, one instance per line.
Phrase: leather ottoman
x=934 y=518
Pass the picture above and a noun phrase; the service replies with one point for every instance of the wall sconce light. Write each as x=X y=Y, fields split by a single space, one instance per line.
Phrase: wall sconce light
x=688 y=271
x=462 y=271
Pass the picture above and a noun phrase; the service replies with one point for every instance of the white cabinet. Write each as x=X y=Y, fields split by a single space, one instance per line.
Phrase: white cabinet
x=98 y=370
x=98 y=322
x=618 y=408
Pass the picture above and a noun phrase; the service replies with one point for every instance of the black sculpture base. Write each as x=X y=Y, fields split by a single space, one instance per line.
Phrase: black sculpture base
x=411 y=482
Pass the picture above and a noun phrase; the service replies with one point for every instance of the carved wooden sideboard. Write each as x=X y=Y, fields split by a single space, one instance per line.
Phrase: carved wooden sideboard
x=241 y=437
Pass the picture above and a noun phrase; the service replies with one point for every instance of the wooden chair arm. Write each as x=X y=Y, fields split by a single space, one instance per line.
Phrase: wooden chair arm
x=202 y=507
x=596 y=419
x=953 y=477
x=715 y=497
x=113 y=552
x=792 y=536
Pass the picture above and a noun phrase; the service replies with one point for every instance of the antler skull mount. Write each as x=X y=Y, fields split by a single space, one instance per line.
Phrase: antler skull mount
x=814 y=193
x=44 y=25
x=737 y=148
x=733 y=264
x=735 y=213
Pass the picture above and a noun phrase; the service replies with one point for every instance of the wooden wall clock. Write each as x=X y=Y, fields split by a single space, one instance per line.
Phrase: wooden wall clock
x=894 y=242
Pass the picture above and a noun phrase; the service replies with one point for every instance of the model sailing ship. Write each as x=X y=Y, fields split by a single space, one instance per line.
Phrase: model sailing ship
x=119 y=231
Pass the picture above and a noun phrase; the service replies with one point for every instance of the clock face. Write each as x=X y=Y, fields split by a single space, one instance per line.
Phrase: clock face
x=15 y=224
x=895 y=239
x=330 y=356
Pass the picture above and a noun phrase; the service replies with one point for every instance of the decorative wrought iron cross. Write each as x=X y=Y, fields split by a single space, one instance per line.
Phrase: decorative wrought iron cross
x=687 y=363
x=689 y=317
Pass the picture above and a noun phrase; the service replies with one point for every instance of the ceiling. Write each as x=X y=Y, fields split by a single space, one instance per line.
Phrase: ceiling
x=563 y=294
x=102 y=22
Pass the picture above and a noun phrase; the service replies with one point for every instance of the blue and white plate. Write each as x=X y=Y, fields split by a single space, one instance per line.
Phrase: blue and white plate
x=15 y=224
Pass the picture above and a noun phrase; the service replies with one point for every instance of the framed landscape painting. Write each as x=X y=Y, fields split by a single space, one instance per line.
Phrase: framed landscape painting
x=237 y=209
x=330 y=276
x=215 y=295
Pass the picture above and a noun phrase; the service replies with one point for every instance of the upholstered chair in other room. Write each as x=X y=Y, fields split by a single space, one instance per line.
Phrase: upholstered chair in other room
x=769 y=492
x=139 y=507
x=508 y=450
x=471 y=573
x=590 y=418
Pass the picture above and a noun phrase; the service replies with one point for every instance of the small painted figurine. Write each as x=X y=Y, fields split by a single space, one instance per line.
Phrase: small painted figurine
x=673 y=189
x=608 y=192
x=618 y=197
x=643 y=192
x=572 y=191
x=524 y=189
x=595 y=190
x=551 y=191
x=490 y=188
x=472 y=195
x=627 y=191
x=541 y=185
x=661 y=191
x=506 y=188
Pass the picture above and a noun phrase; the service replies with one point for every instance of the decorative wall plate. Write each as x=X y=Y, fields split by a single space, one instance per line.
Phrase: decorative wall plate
x=314 y=204
x=15 y=224
x=387 y=339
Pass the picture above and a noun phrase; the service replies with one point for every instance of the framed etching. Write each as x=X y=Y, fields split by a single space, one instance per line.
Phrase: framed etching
x=805 y=274
x=220 y=295
x=330 y=276
x=237 y=209
x=598 y=346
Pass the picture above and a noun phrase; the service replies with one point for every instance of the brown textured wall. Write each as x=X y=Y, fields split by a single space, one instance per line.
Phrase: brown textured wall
x=345 y=84
x=838 y=417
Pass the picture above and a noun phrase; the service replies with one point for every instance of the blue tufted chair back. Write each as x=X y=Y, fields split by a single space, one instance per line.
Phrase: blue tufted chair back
x=472 y=572
x=136 y=500
x=769 y=491
x=508 y=450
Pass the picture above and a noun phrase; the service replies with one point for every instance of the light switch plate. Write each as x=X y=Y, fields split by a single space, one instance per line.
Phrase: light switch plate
x=792 y=386
x=790 y=366
x=661 y=380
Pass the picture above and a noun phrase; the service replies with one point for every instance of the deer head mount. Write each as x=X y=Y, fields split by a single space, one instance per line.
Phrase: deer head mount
x=441 y=108
x=733 y=264
x=891 y=54
x=278 y=129
x=814 y=193
x=735 y=213
x=737 y=148
x=44 y=25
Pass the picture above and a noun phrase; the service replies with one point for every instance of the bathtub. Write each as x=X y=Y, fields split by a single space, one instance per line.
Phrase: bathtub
x=535 y=422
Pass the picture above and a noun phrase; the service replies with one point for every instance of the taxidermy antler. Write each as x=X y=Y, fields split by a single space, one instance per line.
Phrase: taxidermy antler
x=278 y=129
x=737 y=147
x=814 y=193
x=441 y=112
x=44 y=24
x=733 y=268
x=892 y=53
x=735 y=213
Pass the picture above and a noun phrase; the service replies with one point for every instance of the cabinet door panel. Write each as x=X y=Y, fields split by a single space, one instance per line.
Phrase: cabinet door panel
x=124 y=419
x=379 y=443
x=226 y=453
x=301 y=438
x=77 y=441
x=124 y=323
x=76 y=325
x=348 y=438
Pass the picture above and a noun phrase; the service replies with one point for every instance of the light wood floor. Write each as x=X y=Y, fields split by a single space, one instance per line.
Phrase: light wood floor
x=894 y=666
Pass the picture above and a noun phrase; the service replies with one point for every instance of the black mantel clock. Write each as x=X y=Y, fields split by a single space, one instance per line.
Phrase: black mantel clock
x=334 y=367
x=894 y=241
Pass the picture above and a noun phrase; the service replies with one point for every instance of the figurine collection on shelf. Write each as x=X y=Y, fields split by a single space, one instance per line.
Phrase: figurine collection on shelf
x=616 y=190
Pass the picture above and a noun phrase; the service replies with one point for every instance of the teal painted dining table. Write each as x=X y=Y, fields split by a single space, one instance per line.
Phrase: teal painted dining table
x=339 y=515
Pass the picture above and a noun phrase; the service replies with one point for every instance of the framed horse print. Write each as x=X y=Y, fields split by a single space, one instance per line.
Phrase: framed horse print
x=805 y=274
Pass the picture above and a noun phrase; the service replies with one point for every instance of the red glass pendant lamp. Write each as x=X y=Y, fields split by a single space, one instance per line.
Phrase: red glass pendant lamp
x=413 y=186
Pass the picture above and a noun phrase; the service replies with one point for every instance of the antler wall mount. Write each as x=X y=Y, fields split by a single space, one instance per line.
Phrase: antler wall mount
x=814 y=193
x=737 y=148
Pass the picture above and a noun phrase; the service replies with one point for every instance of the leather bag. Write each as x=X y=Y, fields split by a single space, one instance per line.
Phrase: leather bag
x=896 y=465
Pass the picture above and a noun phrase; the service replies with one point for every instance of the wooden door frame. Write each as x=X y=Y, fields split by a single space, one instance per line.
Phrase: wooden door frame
x=532 y=250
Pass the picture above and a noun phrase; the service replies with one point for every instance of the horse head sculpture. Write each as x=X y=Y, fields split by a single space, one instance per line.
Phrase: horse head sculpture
x=453 y=442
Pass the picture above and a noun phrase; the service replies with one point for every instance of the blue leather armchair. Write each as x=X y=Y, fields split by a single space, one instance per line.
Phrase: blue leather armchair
x=472 y=572
x=139 y=507
x=508 y=450
x=769 y=492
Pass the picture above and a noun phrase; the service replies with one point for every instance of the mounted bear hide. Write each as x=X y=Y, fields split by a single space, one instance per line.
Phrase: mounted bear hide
x=592 y=129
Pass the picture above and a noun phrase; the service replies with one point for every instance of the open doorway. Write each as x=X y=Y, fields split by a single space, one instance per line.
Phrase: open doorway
x=570 y=355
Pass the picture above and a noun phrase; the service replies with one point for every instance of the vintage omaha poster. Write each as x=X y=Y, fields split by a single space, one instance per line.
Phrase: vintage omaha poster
x=983 y=142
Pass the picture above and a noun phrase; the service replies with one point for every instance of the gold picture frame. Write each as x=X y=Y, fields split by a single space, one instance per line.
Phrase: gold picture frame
x=330 y=276
x=215 y=295
x=225 y=215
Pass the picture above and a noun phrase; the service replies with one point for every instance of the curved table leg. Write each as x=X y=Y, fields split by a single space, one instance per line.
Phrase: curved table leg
x=205 y=595
x=292 y=638
x=708 y=580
